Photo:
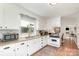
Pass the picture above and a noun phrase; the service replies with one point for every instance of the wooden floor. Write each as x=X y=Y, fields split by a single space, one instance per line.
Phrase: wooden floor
x=69 y=48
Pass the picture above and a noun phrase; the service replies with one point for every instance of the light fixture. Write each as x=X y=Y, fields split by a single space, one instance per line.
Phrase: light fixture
x=52 y=4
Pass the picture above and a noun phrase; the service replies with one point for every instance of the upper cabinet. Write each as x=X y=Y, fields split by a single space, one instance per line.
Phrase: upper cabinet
x=1 y=15
x=9 y=17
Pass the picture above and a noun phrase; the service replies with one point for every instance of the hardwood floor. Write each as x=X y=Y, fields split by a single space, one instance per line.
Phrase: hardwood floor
x=69 y=48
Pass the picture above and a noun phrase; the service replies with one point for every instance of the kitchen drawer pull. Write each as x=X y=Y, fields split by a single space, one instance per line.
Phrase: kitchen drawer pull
x=17 y=48
x=22 y=43
x=0 y=26
x=6 y=47
x=41 y=40
x=27 y=45
x=27 y=54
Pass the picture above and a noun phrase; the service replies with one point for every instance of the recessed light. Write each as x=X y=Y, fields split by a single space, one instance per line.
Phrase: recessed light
x=52 y=4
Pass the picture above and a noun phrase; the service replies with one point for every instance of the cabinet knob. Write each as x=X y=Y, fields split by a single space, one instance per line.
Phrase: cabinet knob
x=6 y=27
x=22 y=43
x=1 y=27
x=41 y=42
x=27 y=54
x=27 y=45
x=41 y=46
x=14 y=50
x=17 y=48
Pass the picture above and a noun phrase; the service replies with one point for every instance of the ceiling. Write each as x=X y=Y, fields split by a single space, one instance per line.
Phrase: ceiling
x=45 y=10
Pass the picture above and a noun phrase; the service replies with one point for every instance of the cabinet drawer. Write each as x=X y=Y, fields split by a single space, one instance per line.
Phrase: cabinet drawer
x=7 y=50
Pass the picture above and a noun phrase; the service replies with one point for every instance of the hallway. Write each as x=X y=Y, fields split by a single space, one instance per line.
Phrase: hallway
x=69 y=48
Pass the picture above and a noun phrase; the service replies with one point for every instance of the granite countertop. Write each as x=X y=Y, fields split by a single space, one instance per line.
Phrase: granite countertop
x=22 y=39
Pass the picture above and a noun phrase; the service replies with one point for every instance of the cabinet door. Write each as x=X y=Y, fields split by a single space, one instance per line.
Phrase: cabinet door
x=11 y=17
x=43 y=41
x=8 y=50
x=1 y=15
x=33 y=46
x=21 y=49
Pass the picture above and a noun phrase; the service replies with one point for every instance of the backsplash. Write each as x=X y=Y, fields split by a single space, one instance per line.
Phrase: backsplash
x=9 y=31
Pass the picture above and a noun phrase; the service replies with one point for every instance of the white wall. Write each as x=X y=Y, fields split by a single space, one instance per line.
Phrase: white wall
x=77 y=42
x=42 y=24
x=53 y=22
x=21 y=10
x=68 y=22
x=48 y=24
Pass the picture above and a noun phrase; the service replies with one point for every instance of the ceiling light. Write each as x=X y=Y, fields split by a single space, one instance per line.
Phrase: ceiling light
x=52 y=4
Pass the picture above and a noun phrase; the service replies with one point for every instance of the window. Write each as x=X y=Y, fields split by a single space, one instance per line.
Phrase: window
x=27 y=26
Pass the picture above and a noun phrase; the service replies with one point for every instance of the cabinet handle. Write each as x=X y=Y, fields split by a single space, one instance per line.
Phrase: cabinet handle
x=22 y=43
x=41 y=40
x=6 y=47
x=27 y=54
x=6 y=27
x=17 y=48
x=14 y=50
x=27 y=45
x=41 y=46
x=0 y=26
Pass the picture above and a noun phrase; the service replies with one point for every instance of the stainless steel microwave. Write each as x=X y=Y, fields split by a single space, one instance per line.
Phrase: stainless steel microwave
x=10 y=37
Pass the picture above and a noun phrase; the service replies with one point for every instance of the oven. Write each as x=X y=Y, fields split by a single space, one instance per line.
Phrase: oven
x=54 y=41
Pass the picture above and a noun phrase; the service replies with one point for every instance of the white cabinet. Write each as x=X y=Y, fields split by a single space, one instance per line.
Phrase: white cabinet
x=33 y=46
x=1 y=15
x=44 y=41
x=8 y=50
x=36 y=44
x=21 y=49
x=9 y=16
x=18 y=49
x=25 y=48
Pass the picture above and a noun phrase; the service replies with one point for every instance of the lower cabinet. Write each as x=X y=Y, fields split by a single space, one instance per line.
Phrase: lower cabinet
x=21 y=49
x=18 y=49
x=45 y=41
x=33 y=46
x=26 y=48
x=8 y=50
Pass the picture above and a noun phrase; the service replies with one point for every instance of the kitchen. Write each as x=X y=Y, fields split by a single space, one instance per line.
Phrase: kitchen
x=25 y=29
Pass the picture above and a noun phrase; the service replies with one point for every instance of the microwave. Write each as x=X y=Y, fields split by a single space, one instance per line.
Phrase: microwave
x=6 y=37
